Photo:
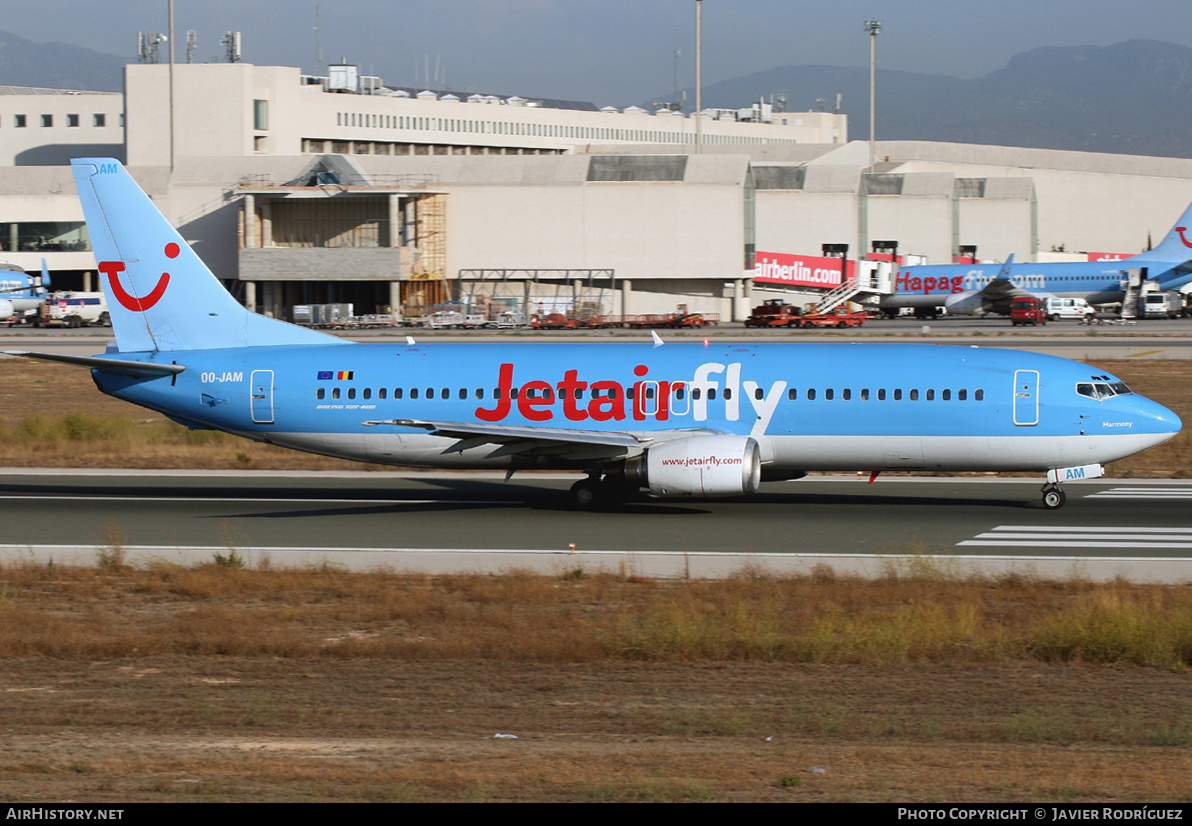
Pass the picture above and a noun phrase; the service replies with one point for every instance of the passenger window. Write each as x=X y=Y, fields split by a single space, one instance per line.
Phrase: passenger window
x=792 y=394
x=712 y=394
x=413 y=392
x=961 y=395
x=321 y=393
x=397 y=392
x=946 y=395
x=367 y=393
x=759 y=394
x=680 y=391
x=881 y=395
x=463 y=392
x=335 y=392
x=381 y=393
x=914 y=395
x=811 y=395
x=351 y=392
x=828 y=394
x=898 y=395
x=846 y=394
x=696 y=393
x=728 y=393
x=865 y=394
x=979 y=395
x=930 y=395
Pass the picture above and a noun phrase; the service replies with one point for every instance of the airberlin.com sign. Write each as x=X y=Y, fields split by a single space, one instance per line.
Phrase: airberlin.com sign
x=798 y=270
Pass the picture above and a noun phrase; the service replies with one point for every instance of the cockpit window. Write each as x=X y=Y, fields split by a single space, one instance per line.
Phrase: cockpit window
x=1102 y=390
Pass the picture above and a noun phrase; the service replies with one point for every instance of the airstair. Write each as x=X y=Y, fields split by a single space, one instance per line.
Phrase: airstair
x=872 y=280
x=1134 y=293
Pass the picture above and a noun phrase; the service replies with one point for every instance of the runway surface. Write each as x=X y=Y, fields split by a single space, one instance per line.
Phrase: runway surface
x=451 y=522
x=1162 y=339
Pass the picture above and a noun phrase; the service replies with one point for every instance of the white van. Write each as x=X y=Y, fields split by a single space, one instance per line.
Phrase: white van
x=1075 y=308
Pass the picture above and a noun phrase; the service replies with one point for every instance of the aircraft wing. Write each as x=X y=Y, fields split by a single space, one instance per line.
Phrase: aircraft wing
x=23 y=289
x=1001 y=287
x=511 y=439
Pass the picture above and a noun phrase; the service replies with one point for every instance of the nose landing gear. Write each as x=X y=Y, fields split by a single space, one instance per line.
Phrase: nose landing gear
x=1053 y=496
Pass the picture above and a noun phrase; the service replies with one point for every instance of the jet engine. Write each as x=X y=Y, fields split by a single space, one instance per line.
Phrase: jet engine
x=966 y=303
x=6 y=308
x=700 y=466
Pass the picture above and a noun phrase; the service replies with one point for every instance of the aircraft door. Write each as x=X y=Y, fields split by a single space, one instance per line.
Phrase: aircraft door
x=1026 y=397
x=262 y=396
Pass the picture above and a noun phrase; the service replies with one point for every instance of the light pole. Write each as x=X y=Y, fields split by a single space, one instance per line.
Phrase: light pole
x=874 y=27
x=699 y=92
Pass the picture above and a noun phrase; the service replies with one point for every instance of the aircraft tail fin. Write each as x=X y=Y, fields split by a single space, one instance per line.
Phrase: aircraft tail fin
x=1176 y=244
x=44 y=283
x=1004 y=272
x=161 y=296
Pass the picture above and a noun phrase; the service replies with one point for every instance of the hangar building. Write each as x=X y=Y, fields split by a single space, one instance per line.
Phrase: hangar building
x=300 y=190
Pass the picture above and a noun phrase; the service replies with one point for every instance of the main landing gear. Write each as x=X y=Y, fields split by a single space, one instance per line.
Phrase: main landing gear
x=1053 y=496
x=597 y=490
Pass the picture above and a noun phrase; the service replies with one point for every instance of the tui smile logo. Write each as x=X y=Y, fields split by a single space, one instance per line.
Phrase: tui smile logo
x=1183 y=237
x=112 y=270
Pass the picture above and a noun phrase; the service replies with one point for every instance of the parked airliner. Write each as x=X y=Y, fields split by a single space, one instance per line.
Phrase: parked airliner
x=21 y=292
x=981 y=288
x=679 y=420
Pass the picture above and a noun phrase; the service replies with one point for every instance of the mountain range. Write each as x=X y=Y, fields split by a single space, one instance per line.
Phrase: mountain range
x=58 y=66
x=1130 y=98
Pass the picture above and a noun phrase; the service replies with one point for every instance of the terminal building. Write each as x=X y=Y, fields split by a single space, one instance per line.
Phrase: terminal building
x=300 y=190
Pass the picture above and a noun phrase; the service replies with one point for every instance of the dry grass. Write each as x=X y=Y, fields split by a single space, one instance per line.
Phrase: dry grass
x=222 y=682
x=222 y=609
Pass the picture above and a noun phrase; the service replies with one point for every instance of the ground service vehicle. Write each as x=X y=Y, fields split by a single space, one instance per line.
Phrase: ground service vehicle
x=1027 y=310
x=70 y=309
x=838 y=317
x=774 y=312
x=692 y=419
x=1061 y=308
x=1163 y=304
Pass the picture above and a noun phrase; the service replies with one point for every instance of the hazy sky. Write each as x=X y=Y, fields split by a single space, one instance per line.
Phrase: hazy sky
x=604 y=51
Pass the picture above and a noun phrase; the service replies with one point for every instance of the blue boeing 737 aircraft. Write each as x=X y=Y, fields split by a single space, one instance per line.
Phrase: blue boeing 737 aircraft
x=679 y=420
x=21 y=292
x=981 y=288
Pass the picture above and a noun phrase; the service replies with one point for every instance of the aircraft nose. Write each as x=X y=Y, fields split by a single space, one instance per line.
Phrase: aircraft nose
x=1158 y=422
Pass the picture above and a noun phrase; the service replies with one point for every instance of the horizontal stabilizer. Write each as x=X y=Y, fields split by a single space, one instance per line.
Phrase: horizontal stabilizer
x=140 y=369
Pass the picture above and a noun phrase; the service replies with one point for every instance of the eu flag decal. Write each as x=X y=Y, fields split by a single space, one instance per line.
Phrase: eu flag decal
x=335 y=375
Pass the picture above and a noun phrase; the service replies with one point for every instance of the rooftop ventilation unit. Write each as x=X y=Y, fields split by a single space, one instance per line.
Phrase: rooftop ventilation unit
x=343 y=77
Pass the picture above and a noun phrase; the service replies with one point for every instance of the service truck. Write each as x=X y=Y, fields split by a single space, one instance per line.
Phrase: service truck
x=72 y=309
x=1163 y=304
